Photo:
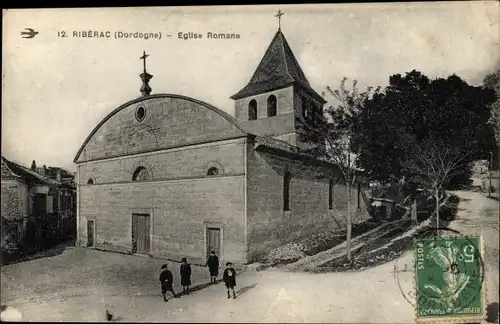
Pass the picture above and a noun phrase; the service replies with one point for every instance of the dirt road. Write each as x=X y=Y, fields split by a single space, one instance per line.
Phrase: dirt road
x=130 y=289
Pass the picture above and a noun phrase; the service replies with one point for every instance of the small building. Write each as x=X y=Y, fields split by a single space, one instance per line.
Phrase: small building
x=35 y=208
x=383 y=209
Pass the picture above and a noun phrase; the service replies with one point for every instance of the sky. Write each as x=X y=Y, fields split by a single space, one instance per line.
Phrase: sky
x=56 y=90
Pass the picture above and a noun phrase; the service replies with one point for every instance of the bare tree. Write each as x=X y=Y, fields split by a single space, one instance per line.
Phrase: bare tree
x=432 y=163
x=330 y=135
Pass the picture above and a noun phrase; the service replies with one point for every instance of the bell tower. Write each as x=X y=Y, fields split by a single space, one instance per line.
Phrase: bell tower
x=277 y=95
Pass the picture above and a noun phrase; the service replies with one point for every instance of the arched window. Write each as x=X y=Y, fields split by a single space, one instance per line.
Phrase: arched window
x=271 y=106
x=141 y=174
x=286 y=191
x=213 y=171
x=307 y=109
x=330 y=194
x=90 y=181
x=304 y=107
x=252 y=110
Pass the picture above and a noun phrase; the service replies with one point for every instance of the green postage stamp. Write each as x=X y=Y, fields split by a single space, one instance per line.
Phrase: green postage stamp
x=449 y=279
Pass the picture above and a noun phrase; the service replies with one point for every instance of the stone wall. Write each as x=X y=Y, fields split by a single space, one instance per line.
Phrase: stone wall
x=10 y=199
x=269 y=225
x=181 y=198
x=186 y=162
x=169 y=121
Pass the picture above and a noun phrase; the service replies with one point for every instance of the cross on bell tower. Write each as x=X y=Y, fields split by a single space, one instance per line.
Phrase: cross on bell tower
x=145 y=77
x=278 y=15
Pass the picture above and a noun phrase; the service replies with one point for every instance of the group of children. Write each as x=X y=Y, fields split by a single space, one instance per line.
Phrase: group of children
x=167 y=279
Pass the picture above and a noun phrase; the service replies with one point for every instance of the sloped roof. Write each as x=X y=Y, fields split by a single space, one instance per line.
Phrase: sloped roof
x=277 y=69
x=21 y=171
x=7 y=173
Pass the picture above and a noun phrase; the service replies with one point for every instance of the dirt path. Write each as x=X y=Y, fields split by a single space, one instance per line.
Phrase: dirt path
x=479 y=215
x=313 y=261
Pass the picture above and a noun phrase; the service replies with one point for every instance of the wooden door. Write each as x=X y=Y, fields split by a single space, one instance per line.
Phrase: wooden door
x=140 y=233
x=90 y=233
x=213 y=240
x=39 y=205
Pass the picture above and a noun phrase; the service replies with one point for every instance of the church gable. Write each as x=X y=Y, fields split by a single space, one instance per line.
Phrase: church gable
x=157 y=122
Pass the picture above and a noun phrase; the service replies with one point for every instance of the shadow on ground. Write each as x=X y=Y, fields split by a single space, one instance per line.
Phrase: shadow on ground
x=13 y=259
x=492 y=313
x=208 y=284
x=245 y=289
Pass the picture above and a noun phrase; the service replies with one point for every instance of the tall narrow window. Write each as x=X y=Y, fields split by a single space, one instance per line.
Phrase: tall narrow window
x=271 y=106
x=252 y=110
x=359 y=196
x=305 y=108
x=330 y=194
x=286 y=191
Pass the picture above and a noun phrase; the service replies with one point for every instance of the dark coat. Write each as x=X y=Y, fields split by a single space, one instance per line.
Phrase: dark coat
x=229 y=277
x=213 y=265
x=166 y=278
x=185 y=274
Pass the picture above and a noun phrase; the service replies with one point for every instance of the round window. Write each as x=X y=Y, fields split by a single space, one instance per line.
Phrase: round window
x=140 y=113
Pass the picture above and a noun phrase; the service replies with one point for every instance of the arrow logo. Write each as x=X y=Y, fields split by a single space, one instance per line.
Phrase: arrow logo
x=30 y=33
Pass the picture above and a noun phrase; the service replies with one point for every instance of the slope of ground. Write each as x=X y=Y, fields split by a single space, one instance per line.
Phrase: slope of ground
x=392 y=244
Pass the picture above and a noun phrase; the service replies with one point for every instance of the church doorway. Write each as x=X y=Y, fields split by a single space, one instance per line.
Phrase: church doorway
x=90 y=233
x=140 y=233
x=213 y=240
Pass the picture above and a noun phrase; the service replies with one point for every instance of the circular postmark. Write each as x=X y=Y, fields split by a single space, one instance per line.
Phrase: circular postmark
x=448 y=274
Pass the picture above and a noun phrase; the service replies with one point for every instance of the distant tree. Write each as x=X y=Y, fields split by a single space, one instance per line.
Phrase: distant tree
x=332 y=136
x=433 y=163
x=413 y=105
x=492 y=81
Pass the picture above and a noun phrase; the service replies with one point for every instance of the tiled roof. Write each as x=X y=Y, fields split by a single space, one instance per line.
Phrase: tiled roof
x=6 y=171
x=276 y=144
x=277 y=69
x=24 y=172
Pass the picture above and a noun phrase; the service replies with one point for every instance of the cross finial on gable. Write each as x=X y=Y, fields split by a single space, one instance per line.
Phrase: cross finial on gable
x=143 y=57
x=278 y=15
x=145 y=77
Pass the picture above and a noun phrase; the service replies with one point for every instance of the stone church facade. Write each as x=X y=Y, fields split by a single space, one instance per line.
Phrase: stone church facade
x=171 y=176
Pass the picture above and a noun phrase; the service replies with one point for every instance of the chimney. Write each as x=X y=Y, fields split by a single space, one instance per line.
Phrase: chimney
x=33 y=165
x=42 y=170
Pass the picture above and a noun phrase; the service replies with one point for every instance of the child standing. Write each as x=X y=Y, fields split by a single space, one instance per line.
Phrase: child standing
x=185 y=276
x=213 y=266
x=166 y=282
x=229 y=278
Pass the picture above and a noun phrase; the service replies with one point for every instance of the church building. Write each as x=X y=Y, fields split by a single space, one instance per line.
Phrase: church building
x=171 y=176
